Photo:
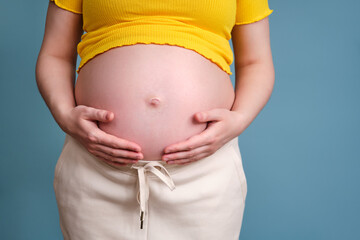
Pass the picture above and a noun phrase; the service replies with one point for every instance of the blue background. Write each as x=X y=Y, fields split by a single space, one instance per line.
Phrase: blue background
x=300 y=155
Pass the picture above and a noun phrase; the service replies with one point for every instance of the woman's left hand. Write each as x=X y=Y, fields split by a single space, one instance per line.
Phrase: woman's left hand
x=223 y=126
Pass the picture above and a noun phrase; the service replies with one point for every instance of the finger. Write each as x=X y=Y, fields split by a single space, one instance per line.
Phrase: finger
x=98 y=114
x=100 y=137
x=204 y=138
x=118 y=153
x=186 y=154
x=110 y=159
x=189 y=160
x=215 y=114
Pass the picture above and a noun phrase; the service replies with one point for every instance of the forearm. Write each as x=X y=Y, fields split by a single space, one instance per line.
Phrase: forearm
x=55 y=79
x=253 y=88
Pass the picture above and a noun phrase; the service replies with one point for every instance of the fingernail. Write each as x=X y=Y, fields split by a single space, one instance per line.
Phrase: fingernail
x=166 y=158
x=107 y=116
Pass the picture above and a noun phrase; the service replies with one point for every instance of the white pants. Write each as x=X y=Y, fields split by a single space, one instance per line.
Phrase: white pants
x=203 y=200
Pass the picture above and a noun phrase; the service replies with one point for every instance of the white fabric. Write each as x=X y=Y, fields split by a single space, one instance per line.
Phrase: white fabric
x=100 y=201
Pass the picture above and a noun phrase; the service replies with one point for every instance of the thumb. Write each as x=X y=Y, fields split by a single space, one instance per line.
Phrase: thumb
x=99 y=115
x=211 y=115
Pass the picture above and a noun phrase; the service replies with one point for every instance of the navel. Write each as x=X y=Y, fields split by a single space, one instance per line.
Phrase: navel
x=154 y=101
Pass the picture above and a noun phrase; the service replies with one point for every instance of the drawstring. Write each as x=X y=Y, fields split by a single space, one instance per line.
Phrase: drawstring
x=143 y=192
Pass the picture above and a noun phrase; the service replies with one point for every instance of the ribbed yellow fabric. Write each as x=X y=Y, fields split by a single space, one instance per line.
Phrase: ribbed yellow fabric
x=202 y=25
x=74 y=6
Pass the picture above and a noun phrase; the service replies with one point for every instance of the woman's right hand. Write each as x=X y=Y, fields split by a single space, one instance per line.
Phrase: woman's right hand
x=81 y=123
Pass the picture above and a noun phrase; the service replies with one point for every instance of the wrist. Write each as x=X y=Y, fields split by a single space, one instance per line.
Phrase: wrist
x=242 y=121
x=61 y=115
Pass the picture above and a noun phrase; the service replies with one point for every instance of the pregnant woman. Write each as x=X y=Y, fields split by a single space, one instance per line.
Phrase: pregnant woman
x=152 y=120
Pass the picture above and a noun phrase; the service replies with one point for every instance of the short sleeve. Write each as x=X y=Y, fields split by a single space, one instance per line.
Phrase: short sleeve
x=74 y=6
x=249 y=11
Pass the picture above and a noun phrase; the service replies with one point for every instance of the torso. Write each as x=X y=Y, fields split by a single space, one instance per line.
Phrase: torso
x=154 y=92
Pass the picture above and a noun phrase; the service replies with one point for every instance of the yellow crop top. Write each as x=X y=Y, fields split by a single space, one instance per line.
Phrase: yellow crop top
x=201 y=25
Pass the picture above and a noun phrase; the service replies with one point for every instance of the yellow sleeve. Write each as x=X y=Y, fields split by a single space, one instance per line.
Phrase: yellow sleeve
x=249 y=11
x=74 y=6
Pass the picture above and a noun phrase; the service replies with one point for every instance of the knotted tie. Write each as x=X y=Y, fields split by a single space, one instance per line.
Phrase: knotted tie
x=143 y=192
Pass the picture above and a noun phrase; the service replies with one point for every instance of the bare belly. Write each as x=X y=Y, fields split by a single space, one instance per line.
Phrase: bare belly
x=154 y=92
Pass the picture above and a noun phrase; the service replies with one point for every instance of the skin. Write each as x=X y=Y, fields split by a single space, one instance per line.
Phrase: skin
x=124 y=80
x=254 y=83
x=55 y=76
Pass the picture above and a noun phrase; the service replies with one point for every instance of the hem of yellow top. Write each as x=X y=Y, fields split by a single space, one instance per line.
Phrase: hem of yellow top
x=65 y=7
x=157 y=30
x=152 y=42
x=258 y=18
